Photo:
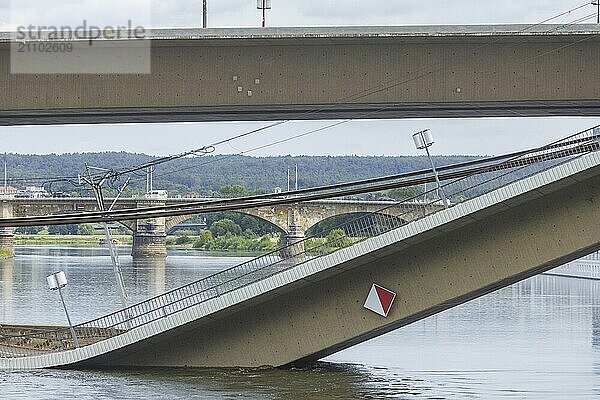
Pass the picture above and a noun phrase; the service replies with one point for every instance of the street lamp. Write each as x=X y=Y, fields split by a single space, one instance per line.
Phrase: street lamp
x=597 y=3
x=263 y=5
x=57 y=281
x=204 y=16
x=424 y=140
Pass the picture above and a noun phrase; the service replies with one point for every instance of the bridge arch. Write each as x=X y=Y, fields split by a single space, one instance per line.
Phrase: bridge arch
x=277 y=228
x=345 y=222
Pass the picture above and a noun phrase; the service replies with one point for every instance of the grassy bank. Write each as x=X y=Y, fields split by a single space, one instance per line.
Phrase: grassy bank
x=205 y=242
x=226 y=243
x=4 y=253
x=237 y=245
x=74 y=240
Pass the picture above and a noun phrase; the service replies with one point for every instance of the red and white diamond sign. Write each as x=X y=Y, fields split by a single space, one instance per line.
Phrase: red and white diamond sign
x=380 y=300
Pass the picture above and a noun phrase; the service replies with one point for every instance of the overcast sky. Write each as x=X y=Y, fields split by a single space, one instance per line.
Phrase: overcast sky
x=467 y=136
x=224 y=13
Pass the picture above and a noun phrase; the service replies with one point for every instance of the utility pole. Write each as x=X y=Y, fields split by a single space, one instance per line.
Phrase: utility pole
x=204 y=15
x=96 y=182
x=288 y=180
x=597 y=3
x=5 y=177
x=296 y=176
x=263 y=5
x=149 y=179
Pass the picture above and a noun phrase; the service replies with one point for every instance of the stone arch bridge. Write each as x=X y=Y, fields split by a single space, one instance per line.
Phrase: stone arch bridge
x=149 y=235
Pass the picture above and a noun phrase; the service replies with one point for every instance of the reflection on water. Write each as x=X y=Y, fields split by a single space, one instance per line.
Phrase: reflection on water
x=536 y=339
x=91 y=291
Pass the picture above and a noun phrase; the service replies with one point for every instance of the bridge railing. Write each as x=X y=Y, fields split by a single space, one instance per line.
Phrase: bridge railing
x=485 y=179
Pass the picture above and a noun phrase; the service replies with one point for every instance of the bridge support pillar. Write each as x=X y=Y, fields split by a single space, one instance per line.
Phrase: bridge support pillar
x=294 y=245
x=7 y=248
x=293 y=240
x=148 y=245
x=149 y=237
x=7 y=244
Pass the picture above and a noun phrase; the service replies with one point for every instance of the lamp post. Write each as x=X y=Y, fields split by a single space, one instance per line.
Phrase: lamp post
x=597 y=3
x=204 y=16
x=263 y=5
x=57 y=281
x=424 y=140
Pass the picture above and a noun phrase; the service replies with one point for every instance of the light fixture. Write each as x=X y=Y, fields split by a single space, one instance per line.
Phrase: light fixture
x=424 y=140
x=57 y=281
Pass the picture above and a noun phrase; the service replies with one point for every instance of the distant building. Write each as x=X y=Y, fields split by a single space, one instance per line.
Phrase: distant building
x=8 y=190
x=157 y=194
x=32 y=192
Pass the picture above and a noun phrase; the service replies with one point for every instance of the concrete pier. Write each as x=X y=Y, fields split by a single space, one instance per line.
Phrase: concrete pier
x=7 y=248
x=149 y=246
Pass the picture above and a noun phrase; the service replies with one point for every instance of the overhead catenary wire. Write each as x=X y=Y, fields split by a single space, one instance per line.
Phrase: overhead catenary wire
x=168 y=211
x=368 y=92
x=355 y=96
x=583 y=145
x=364 y=114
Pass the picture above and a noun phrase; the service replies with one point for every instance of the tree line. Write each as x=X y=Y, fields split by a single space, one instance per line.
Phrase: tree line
x=219 y=175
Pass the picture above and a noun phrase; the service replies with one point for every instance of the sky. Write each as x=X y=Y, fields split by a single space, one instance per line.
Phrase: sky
x=386 y=137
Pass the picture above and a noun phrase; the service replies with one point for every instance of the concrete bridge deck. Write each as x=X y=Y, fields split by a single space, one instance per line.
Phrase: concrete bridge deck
x=338 y=72
x=279 y=311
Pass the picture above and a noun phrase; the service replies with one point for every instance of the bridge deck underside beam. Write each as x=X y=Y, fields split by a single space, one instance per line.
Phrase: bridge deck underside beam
x=489 y=250
x=548 y=108
x=202 y=79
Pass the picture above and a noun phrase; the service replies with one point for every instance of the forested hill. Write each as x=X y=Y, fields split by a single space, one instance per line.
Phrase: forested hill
x=204 y=175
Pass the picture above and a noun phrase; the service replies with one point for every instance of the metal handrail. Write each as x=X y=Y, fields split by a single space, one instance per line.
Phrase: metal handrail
x=296 y=253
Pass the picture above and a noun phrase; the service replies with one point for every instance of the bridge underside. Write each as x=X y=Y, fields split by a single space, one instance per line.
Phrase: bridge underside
x=432 y=272
x=324 y=73
x=581 y=108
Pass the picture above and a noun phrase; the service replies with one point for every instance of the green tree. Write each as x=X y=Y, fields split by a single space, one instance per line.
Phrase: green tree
x=183 y=240
x=29 y=230
x=249 y=234
x=219 y=243
x=246 y=222
x=203 y=242
x=237 y=243
x=263 y=244
x=85 y=229
x=404 y=193
x=63 y=229
x=337 y=239
x=224 y=227
x=233 y=191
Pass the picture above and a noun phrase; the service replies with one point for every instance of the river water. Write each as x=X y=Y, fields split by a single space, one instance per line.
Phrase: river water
x=537 y=339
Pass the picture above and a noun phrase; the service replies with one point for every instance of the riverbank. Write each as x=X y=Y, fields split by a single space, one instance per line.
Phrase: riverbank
x=73 y=240
x=5 y=254
x=204 y=242
x=219 y=245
